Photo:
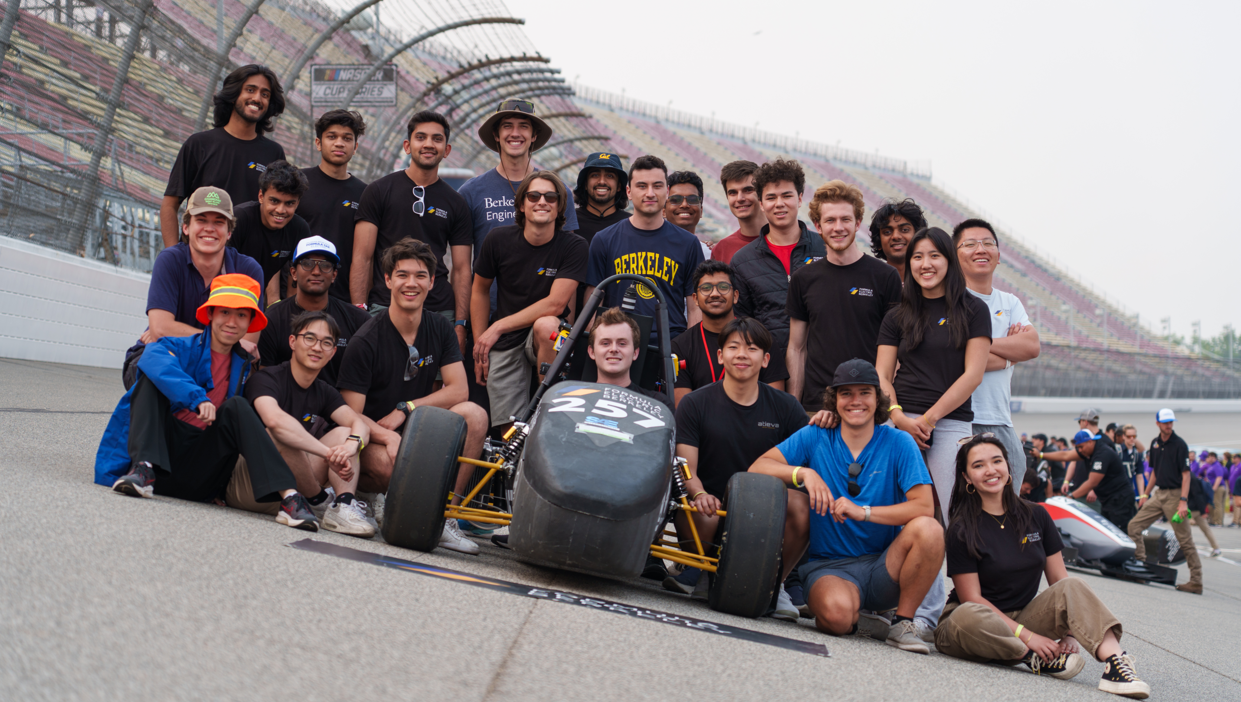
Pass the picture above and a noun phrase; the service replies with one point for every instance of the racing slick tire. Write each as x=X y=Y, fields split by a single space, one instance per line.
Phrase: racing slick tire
x=751 y=539
x=422 y=477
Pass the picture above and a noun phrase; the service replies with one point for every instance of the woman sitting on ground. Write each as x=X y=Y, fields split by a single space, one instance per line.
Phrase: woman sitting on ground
x=998 y=546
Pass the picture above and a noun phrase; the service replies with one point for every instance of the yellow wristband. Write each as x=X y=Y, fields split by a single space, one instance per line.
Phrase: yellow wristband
x=895 y=407
x=795 y=477
x=695 y=495
x=1017 y=633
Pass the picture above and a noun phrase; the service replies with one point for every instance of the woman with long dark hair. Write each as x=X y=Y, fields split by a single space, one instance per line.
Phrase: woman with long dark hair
x=999 y=547
x=941 y=335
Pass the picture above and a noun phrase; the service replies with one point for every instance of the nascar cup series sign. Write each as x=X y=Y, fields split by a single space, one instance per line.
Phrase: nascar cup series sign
x=330 y=84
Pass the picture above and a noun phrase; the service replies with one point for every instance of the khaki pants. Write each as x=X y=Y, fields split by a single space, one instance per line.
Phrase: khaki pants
x=1165 y=503
x=1221 y=505
x=240 y=495
x=1201 y=521
x=975 y=632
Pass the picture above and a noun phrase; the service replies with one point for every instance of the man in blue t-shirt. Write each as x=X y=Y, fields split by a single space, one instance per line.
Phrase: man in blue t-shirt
x=868 y=512
x=648 y=245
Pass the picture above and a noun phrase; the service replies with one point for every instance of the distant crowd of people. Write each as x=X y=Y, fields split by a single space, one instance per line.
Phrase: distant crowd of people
x=298 y=316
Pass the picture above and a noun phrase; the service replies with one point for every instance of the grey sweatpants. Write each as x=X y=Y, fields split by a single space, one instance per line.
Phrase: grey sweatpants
x=1012 y=444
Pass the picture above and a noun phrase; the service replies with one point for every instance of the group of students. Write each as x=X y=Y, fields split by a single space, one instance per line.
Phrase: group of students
x=265 y=382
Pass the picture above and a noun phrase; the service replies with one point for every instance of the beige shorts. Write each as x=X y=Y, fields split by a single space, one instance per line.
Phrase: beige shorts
x=508 y=380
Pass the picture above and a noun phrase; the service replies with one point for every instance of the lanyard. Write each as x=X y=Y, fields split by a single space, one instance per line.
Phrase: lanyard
x=707 y=349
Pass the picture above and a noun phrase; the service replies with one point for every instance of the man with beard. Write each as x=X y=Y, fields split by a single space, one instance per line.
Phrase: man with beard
x=698 y=348
x=835 y=305
x=891 y=230
x=234 y=154
x=738 y=181
x=268 y=229
x=601 y=200
x=335 y=194
x=315 y=268
x=416 y=203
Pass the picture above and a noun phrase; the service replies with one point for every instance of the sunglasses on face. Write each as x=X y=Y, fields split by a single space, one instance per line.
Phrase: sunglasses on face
x=551 y=196
x=706 y=288
x=855 y=469
x=420 y=200
x=311 y=264
x=972 y=244
x=525 y=106
x=411 y=366
x=691 y=199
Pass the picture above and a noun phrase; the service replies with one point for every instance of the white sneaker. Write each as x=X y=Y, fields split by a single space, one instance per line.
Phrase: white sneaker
x=784 y=607
x=371 y=504
x=453 y=540
x=925 y=631
x=1216 y=553
x=321 y=509
x=348 y=519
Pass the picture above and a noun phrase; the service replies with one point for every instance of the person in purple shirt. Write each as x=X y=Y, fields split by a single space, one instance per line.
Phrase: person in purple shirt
x=1234 y=476
x=1216 y=475
x=182 y=274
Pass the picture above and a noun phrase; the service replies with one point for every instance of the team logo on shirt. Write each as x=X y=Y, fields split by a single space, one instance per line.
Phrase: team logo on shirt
x=352 y=204
x=1098 y=466
x=342 y=343
x=811 y=259
x=257 y=167
x=644 y=292
x=277 y=253
x=768 y=425
x=941 y=321
x=999 y=313
x=549 y=272
x=1032 y=537
x=864 y=292
x=425 y=361
x=438 y=212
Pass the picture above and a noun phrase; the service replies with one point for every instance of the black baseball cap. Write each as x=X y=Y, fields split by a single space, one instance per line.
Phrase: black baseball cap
x=603 y=159
x=855 y=372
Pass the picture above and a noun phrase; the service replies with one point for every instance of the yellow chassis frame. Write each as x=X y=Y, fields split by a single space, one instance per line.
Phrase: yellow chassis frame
x=667 y=549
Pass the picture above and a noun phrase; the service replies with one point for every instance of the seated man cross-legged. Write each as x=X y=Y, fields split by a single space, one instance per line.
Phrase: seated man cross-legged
x=999 y=548
x=390 y=367
x=874 y=542
x=724 y=427
x=295 y=405
x=179 y=430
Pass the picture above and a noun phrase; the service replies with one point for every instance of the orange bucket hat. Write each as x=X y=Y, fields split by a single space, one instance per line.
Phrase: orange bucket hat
x=235 y=290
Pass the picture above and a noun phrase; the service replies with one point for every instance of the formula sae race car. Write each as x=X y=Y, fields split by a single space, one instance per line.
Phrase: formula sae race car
x=1091 y=542
x=587 y=479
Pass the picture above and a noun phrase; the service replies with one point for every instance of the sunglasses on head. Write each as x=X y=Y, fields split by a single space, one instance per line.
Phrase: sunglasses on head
x=525 y=106
x=855 y=469
x=691 y=199
x=984 y=435
x=551 y=196
x=412 y=365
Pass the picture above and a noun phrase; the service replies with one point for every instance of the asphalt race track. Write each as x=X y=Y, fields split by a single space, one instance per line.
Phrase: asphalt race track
x=106 y=597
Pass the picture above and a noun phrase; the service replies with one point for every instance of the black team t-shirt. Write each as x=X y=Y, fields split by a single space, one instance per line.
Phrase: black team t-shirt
x=730 y=437
x=702 y=365
x=1115 y=482
x=303 y=404
x=376 y=356
x=388 y=203
x=1012 y=563
x=843 y=307
x=524 y=273
x=217 y=158
x=1168 y=459
x=272 y=248
x=329 y=208
x=274 y=340
x=928 y=371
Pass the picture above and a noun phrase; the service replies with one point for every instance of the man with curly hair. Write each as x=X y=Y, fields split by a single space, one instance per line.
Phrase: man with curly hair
x=891 y=230
x=269 y=228
x=764 y=267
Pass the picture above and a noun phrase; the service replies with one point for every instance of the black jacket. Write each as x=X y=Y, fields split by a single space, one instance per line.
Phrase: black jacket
x=762 y=284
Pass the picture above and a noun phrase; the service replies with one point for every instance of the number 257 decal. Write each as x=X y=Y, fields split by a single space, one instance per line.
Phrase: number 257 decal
x=606 y=408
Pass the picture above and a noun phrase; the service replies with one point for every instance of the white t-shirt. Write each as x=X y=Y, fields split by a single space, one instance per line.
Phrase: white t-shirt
x=991 y=400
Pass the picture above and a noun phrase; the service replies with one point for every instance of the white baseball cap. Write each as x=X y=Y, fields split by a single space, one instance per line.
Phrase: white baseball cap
x=1165 y=415
x=315 y=244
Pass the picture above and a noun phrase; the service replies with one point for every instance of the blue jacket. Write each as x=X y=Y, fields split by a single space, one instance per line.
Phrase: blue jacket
x=181 y=368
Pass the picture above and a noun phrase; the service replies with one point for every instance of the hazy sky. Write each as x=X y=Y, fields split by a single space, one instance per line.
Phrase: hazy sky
x=1103 y=133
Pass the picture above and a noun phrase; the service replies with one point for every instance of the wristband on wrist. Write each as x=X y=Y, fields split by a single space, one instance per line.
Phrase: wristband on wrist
x=355 y=437
x=460 y=323
x=1184 y=499
x=795 y=484
x=695 y=495
x=895 y=407
x=1017 y=633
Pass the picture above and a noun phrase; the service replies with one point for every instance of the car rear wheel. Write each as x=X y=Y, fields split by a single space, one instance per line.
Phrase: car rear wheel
x=422 y=477
x=751 y=538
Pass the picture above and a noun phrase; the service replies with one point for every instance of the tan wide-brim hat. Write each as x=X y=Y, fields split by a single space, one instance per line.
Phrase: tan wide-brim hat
x=515 y=107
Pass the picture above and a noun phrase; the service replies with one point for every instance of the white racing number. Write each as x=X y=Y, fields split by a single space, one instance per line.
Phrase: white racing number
x=568 y=404
x=606 y=408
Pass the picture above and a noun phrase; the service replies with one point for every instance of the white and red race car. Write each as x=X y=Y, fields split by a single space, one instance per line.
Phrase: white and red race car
x=1091 y=542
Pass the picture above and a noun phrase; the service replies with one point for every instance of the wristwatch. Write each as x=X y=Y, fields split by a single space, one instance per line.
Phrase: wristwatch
x=406 y=407
x=867 y=510
x=461 y=323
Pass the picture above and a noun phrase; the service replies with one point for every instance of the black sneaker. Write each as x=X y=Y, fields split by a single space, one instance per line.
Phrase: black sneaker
x=295 y=512
x=1063 y=666
x=655 y=569
x=1120 y=678
x=138 y=482
x=683 y=583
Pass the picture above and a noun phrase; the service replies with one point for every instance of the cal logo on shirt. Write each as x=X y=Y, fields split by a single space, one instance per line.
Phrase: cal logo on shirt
x=254 y=166
x=648 y=263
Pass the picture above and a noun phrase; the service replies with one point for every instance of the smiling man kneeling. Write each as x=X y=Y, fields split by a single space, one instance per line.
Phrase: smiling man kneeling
x=874 y=543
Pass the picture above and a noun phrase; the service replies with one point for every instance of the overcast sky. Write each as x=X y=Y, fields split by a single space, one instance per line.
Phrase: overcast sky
x=1104 y=133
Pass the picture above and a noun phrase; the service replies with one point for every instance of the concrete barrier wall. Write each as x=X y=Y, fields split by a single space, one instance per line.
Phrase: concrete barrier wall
x=65 y=309
x=1065 y=405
